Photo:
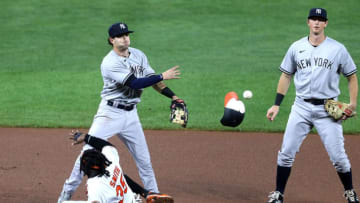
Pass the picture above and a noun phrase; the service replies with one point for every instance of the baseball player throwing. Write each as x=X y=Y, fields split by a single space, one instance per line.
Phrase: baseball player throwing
x=125 y=71
x=316 y=62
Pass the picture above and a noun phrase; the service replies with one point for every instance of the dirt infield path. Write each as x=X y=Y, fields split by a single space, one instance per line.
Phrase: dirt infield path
x=193 y=166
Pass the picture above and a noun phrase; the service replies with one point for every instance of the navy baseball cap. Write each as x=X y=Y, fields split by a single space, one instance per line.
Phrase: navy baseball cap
x=318 y=12
x=118 y=29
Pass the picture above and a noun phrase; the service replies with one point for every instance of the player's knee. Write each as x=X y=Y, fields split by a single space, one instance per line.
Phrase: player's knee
x=340 y=161
x=342 y=166
x=285 y=160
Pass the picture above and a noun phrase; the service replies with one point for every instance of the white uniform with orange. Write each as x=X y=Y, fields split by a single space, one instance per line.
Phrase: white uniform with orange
x=113 y=189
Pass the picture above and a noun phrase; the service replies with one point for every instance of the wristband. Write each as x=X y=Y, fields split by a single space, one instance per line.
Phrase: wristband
x=278 y=99
x=87 y=138
x=167 y=92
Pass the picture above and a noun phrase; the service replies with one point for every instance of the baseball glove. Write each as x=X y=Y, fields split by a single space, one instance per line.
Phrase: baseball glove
x=338 y=110
x=179 y=112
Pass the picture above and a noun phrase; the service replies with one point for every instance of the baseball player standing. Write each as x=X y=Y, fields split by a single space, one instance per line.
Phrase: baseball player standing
x=316 y=62
x=125 y=71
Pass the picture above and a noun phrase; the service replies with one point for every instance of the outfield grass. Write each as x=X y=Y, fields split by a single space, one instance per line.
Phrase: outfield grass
x=51 y=52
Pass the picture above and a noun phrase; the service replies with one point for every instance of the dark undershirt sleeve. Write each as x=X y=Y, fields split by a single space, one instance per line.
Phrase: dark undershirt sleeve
x=139 y=83
x=95 y=142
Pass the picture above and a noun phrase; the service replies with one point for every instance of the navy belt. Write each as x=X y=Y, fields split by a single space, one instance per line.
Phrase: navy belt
x=316 y=101
x=120 y=106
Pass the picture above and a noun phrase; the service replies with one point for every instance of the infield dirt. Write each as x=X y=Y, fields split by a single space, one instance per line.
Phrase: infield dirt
x=192 y=166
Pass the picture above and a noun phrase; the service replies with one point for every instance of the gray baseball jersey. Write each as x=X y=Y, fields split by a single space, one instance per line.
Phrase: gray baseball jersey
x=125 y=124
x=316 y=73
x=116 y=70
x=317 y=69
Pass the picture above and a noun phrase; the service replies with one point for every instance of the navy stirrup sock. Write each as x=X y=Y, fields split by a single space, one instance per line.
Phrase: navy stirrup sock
x=346 y=179
x=282 y=176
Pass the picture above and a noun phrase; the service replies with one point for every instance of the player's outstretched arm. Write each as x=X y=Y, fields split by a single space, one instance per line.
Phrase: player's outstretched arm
x=79 y=137
x=139 y=83
x=282 y=88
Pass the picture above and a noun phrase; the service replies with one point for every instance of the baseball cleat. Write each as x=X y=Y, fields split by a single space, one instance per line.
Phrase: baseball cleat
x=159 y=198
x=351 y=196
x=275 y=197
x=137 y=198
x=64 y=196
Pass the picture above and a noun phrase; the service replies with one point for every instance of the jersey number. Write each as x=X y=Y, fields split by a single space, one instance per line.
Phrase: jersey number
x=121 y=189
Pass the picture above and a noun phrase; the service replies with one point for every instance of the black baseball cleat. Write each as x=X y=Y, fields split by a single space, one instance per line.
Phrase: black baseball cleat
x=275 y=197
x=351 y=196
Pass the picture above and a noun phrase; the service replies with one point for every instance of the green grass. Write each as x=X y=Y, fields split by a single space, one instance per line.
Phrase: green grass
x=51 y=52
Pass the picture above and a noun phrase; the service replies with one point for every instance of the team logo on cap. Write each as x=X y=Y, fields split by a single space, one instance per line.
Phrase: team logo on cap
x=122 y=26
x=318 y=11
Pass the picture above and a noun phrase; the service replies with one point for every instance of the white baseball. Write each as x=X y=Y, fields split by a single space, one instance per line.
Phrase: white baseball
x=247 y=94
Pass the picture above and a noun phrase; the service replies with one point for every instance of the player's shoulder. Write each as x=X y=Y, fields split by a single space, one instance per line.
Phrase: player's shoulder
x=111 y=153
x=110 y=57
x=331 y=40
x=111 y=61
x=334 y=42
x=300 y=42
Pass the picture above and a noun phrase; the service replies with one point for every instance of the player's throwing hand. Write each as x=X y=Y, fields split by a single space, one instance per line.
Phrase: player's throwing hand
x=172 y=73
